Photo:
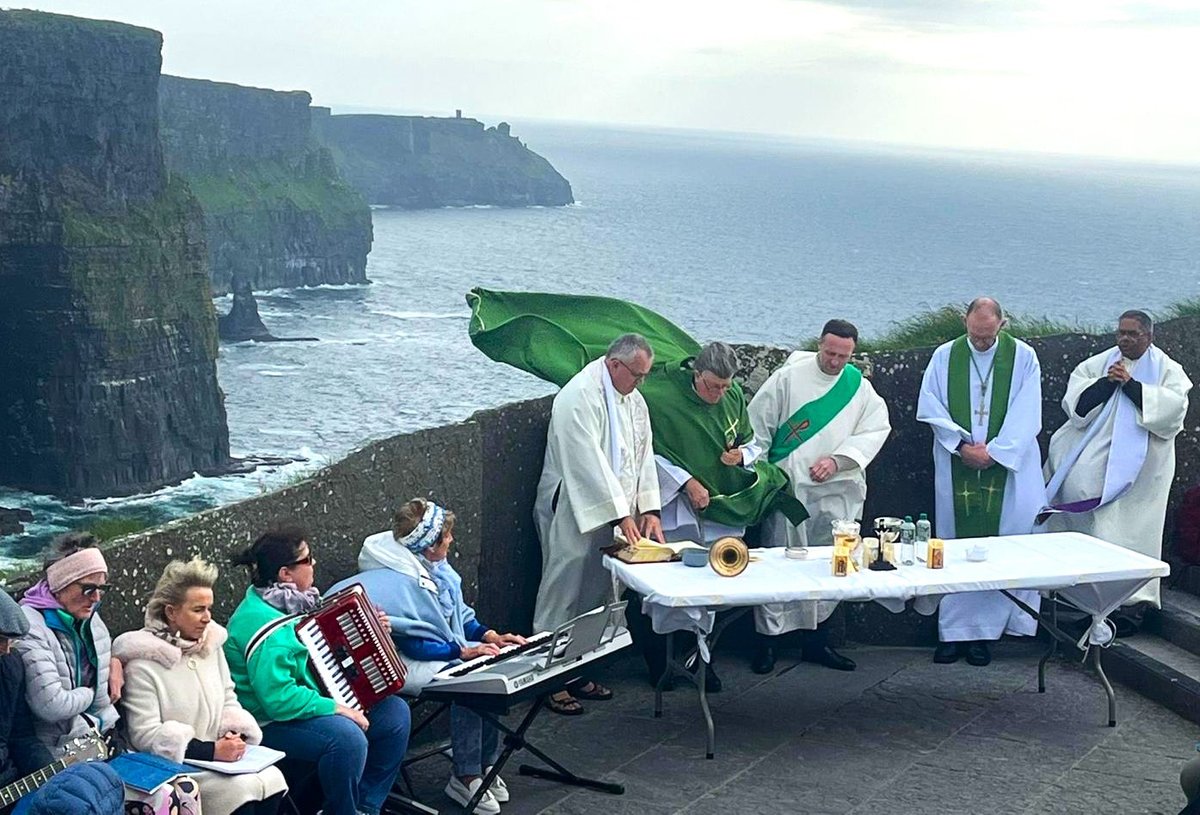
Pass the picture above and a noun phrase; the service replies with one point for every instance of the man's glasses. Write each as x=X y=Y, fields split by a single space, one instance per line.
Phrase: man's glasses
x=636 y=376
x=1131 y=334
x=94 y=589
x=307 y=560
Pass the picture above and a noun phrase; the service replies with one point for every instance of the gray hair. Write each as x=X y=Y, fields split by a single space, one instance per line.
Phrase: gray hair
x=717 y=358
x=68 y=544
x=626 y=347
x=172 y=587
x=1143 y=319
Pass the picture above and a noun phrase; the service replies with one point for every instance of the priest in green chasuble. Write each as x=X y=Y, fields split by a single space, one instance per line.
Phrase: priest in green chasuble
x=822 y=422
x=982 y=397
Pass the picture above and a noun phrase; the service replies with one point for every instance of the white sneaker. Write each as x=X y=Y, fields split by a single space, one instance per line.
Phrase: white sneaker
x=460 y=792
x=498 y=789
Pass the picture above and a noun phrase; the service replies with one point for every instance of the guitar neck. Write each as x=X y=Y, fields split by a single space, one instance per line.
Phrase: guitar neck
x=23 y=786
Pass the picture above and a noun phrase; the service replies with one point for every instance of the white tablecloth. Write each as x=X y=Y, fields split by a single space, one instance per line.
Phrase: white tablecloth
x=1093 y=575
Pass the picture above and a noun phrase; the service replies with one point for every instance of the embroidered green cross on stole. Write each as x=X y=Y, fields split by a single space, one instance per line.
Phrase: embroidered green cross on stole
x=812 y=417
x=979 y=494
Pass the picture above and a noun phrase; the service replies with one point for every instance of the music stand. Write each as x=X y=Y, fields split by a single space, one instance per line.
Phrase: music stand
x=570 y=641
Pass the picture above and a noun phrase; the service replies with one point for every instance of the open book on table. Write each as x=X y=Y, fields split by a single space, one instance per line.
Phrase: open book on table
x=256 y=759
x=647 y=551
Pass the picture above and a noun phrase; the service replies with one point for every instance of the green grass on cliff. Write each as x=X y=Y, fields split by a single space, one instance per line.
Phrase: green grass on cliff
x=936 y=326
x=107 y=529
x=269 y=185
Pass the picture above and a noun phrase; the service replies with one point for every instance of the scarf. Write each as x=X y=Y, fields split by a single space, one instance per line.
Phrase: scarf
x=287 y=598
x=445 y=591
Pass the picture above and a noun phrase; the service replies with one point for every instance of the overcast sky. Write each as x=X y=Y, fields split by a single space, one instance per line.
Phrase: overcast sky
x=1102 y=77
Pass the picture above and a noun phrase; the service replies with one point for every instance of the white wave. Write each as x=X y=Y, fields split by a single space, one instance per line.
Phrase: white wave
x=291 y=291
x=422 y=315
x=380 y=206
x=276 y=373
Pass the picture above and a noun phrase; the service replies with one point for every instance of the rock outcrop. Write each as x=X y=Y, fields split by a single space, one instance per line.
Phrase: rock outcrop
x=243 y=322
x=107 y=329
x=276 y=212
x=418 y=162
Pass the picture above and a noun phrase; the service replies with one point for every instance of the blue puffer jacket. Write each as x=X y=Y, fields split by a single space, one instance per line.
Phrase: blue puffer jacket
x=85 y=789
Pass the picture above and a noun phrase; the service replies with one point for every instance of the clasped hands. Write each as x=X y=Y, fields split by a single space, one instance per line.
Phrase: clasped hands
x=975 y=455
x=1118 y=373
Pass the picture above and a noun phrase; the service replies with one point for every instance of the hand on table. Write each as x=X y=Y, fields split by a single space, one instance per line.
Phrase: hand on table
x=652 y=528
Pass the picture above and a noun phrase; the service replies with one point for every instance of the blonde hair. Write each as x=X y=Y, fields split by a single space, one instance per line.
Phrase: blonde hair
x=172 y=587
x=410 y=513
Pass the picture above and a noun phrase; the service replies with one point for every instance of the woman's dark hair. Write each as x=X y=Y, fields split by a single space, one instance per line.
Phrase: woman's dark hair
x=279 y=546
x=68 y=544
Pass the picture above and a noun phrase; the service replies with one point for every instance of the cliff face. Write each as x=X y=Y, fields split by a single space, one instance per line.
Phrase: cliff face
x=107 y=329
x=276 y=212
x=420 y=161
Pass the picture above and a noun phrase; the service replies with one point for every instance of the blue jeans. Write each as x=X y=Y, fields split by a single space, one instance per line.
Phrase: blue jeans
x=476 y=743
x=356 y=769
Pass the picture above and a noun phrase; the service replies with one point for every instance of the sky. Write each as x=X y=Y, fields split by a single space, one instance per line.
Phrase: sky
x=1082 y=77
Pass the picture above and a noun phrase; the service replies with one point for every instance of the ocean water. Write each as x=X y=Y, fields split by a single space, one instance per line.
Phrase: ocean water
x=732 y=237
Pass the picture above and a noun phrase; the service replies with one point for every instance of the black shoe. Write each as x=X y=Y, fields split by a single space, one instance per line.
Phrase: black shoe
x=978 y=653
x=946 y=653
x=764 y=660
x=825 y=655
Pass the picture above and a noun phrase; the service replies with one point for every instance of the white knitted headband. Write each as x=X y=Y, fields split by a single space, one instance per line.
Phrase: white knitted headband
x=427 y=532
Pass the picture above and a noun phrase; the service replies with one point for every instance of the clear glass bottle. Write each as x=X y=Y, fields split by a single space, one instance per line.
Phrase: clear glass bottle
x=908 y=534
x=924 y=533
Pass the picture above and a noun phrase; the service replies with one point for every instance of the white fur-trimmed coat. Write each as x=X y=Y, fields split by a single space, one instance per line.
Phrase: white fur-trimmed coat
x=170 y=699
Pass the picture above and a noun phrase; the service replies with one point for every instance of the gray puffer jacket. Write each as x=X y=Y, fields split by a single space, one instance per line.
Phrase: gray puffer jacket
x=49 y=653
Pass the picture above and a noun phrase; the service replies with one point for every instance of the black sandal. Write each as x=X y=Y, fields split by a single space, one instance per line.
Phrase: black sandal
x=565 y=707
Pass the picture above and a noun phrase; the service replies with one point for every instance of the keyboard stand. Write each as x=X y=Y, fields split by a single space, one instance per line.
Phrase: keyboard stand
x=515 y=740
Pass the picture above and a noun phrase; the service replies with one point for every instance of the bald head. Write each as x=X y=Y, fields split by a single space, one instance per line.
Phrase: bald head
x=984 y=320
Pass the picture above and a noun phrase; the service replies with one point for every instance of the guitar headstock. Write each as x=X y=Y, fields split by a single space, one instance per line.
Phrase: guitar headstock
x=88 y=747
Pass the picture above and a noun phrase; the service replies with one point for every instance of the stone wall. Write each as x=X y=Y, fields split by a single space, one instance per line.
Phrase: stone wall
x=419 y=162
x=276 y=211
x=486 y=470
x=107 y=329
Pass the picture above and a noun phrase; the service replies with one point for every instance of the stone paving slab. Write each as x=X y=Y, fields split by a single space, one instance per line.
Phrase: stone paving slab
x=898 y=736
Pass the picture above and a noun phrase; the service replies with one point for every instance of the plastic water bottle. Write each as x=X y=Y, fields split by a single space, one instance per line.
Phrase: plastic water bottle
x=924 y=533
x=908 y=534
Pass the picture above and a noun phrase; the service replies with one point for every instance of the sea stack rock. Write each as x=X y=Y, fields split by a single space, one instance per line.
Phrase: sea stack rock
x=107 y=328
x=242 y=322
x=416 y=162
x=276 y=212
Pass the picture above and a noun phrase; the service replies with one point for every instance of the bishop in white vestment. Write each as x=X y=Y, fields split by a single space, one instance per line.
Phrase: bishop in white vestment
x=599 y=473
x=982 y=397
x=1111 y=465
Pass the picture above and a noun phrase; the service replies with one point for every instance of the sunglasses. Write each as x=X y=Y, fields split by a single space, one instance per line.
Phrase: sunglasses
x=94 y=589
x=307 y=560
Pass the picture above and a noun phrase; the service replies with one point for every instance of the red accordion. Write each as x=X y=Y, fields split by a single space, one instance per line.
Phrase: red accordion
x=351 y=650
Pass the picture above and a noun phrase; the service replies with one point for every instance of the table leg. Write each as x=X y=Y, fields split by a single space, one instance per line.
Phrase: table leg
x=667 y=675
x=1108 y=689
x=1053 y=649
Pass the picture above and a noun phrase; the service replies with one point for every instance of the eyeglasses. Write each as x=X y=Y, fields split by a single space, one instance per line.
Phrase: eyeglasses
x=1131 y=334
x=308 y=560
x=716 y=385
x=636 y=376
x=94 y=589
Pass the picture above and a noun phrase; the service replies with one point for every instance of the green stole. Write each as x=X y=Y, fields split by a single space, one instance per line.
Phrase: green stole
x=979 y=494
x=812 y=417
x=691 y=433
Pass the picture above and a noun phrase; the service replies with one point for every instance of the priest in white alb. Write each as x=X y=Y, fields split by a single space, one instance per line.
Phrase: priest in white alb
x=599 y=474
x=1111 y=465
x=982 y=397
x=822 y=422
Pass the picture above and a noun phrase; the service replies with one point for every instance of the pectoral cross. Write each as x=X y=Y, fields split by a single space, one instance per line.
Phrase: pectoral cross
x=981 y=412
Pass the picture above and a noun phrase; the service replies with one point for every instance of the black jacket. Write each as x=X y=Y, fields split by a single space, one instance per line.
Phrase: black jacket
x=20 y=751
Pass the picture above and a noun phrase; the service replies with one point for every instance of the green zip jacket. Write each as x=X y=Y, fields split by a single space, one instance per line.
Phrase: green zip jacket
x=277 y=686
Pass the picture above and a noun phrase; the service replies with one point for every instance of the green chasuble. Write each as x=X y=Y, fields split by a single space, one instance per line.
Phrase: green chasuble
x=978 y=494
x=553 y=336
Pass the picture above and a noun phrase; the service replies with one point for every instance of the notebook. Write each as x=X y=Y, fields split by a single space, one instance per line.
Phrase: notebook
x=256 y=759
x=146 y=772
